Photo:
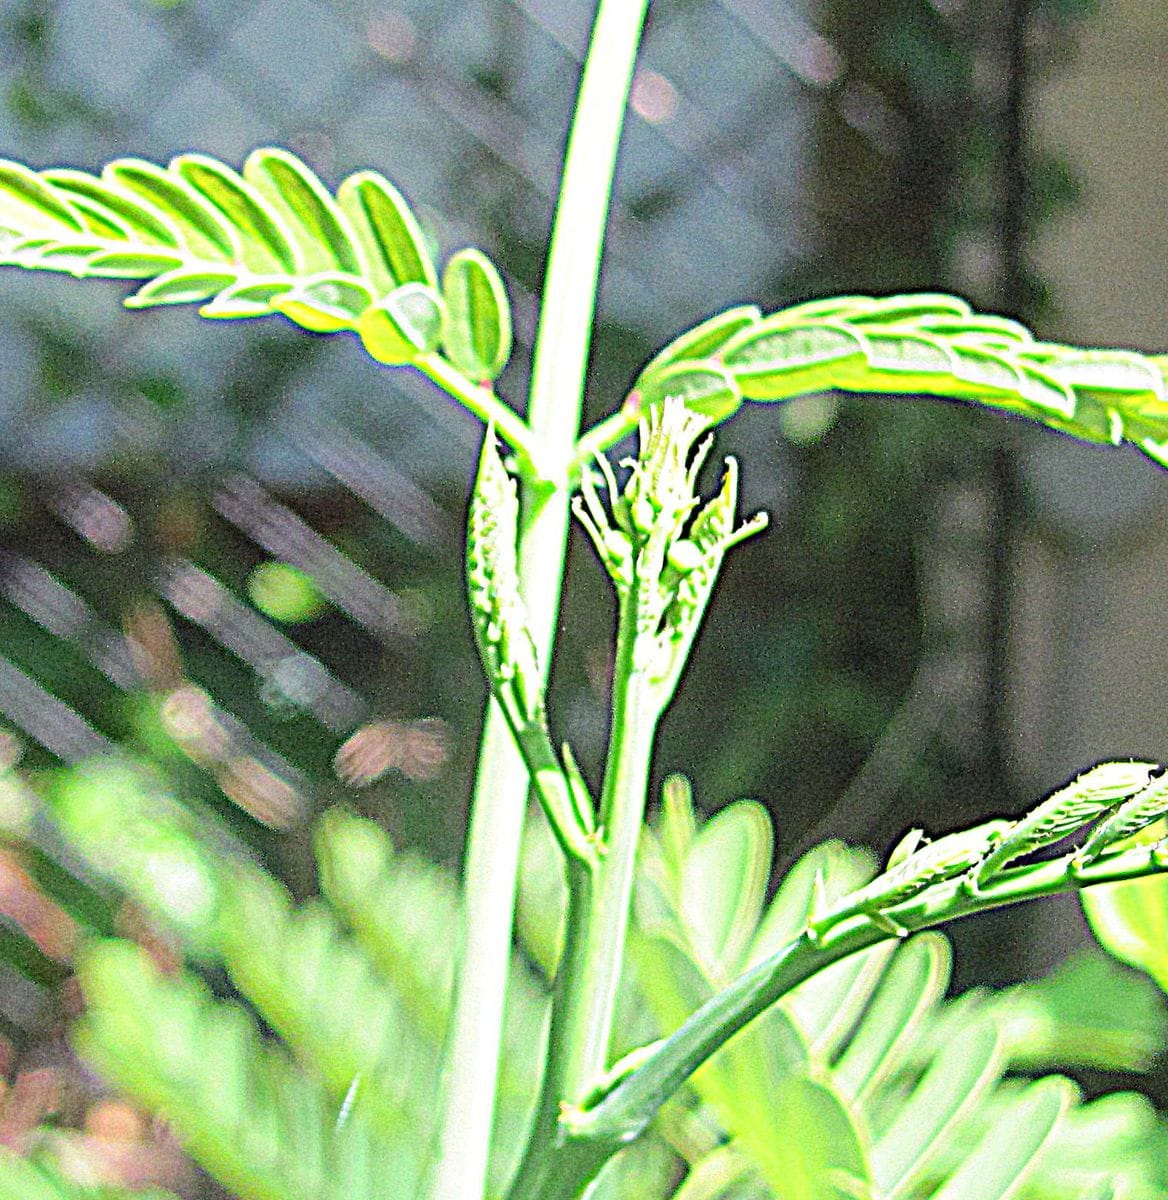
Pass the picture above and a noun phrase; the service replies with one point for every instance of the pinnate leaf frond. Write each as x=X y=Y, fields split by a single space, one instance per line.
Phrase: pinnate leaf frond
x=268 y=239
x=925 y=343
x=262 y=1125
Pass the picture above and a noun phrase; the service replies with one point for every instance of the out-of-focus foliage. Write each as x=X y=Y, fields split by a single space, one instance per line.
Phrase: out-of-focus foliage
x=922 y=1094
x=1131 y=919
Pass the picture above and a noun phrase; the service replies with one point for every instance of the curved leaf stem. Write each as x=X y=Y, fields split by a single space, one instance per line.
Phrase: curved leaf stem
x=553 y=418
x=487 y=406
x=603 y=435
x=623 y=1114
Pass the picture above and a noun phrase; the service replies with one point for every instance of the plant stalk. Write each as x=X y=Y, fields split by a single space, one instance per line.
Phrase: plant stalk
x=498 y=807
x=597 y=921
x=623 y=1114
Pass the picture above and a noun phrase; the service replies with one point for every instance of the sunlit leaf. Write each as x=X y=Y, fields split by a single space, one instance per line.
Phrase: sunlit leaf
x=476 y=335
x=389 y=233
x=705 y=388
x=403 y=326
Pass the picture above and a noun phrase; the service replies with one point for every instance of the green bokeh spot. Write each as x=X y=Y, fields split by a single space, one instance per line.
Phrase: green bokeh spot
x=285 y=593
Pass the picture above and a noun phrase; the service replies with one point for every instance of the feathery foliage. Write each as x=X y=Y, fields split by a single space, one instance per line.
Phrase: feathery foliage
x=687 y=1038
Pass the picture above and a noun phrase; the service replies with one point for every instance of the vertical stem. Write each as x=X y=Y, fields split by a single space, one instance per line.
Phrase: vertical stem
x=598 y=916
x=634 y=726
x=499 y=802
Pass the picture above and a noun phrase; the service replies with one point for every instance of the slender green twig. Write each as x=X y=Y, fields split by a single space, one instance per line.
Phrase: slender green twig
x=591 y=1136
x=487 y=406
x=598 y=914
x=560 y=362
x=602 y=436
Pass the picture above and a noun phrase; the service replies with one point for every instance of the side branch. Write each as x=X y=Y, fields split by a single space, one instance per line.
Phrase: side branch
x=621 y=1115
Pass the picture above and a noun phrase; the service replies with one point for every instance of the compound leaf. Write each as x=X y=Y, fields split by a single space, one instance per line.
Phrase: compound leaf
x=271 y=239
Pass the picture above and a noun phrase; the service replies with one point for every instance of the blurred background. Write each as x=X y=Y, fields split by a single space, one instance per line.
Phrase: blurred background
x=236 y=550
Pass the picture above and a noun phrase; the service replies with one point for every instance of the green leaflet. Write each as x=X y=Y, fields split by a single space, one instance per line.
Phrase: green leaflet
x=898 y=362
x=403 y=326
x=909 y=309
x=819 y=1153
x=201 y=228
x=907 y=992
x=1009 y=1151
x=977 y=328
x=29 y=206
x=314 y=221
x=325 y=303
x=1131 y=919
x=827 y=308
x=707 y=389
x=723 y=883
x=387 y=229
x=131 y=264
x=774 y=360
x=705 y=339
x=476 y=335
x=180 y=287
x=966 y=1067
x=717 y=1176
x=252 y=298
x=266 y=246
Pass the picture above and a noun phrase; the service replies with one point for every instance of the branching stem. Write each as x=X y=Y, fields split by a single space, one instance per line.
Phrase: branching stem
x=487 y=406
x=553 y=423
x=589 y=1138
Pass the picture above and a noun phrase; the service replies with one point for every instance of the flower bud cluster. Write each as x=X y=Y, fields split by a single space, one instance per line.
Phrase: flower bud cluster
x=662 y=547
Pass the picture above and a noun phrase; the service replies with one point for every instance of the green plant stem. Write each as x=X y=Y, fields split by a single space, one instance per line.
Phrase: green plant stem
x=583 y=1056
x=603 y=435
x=597 y=919
x=487 y=406
x=553 y=417
x=589 y=1138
